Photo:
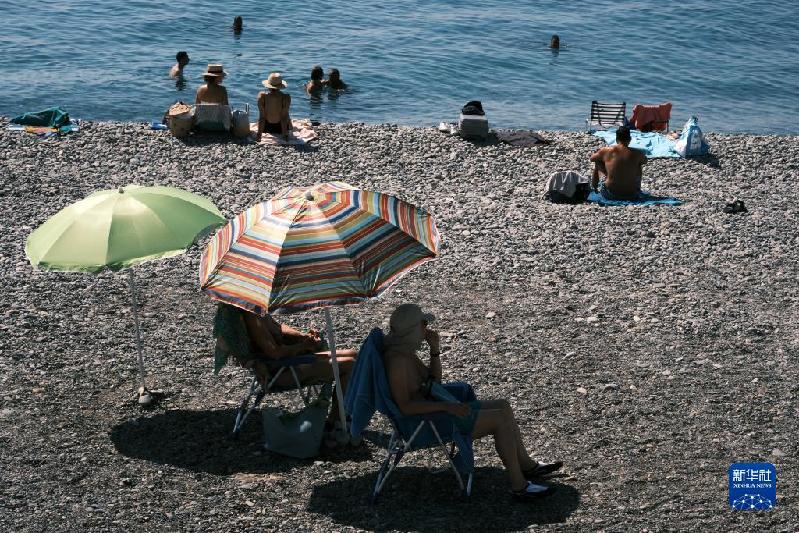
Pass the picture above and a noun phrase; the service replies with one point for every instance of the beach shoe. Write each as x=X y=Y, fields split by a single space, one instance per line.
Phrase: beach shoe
x=532 y=492
x=542 y=469
x=736 y=206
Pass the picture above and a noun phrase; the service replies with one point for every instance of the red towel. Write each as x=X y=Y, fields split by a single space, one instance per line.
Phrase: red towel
x=651 y=117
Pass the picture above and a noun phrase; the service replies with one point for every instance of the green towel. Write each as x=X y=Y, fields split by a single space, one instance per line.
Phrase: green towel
x=229 y=326
x=55 y=117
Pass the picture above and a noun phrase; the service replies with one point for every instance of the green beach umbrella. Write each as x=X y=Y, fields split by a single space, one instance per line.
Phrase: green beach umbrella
x=119 y=228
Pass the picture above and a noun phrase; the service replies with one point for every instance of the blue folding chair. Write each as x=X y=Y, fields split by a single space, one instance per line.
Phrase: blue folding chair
x=368 y=390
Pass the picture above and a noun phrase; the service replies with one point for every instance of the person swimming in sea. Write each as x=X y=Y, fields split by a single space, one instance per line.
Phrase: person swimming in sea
x=182 y=59
x=316 y=83
x=334 y=80
x=238 y=25
x=554 y=42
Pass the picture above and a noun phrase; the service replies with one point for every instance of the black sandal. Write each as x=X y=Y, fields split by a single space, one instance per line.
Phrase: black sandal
x=542 y=469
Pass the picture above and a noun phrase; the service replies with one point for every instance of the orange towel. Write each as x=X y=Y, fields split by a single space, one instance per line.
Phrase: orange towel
x=651 y=117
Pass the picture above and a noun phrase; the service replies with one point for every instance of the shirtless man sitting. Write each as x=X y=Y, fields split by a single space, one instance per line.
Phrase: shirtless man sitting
x=407 y=377
x=621 y=166
x=272 y=340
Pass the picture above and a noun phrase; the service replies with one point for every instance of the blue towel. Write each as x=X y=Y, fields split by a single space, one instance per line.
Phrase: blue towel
x=653 y=144
x=644 y=198
x=368 y=390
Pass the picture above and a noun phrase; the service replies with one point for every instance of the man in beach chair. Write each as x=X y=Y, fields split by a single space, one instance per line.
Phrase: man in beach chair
x=420 y=404
x=280 y=357
x=621 y=166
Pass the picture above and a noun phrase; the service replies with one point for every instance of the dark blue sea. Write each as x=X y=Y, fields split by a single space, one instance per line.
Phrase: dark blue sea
x=733 y=64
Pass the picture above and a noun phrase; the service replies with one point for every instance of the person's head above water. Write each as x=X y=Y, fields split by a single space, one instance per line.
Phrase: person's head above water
x=623 y=135
x=182 y=58
x=334 y=75
x=317 y=73
x=554 y=41
x=238 y=24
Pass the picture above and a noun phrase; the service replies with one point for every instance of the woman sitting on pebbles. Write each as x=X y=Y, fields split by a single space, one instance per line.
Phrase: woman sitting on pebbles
x=411 y=380
x=273 y=108
x=212 y=92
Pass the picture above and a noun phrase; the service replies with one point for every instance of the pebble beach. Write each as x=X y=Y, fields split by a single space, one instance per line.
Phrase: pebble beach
x=649 y=348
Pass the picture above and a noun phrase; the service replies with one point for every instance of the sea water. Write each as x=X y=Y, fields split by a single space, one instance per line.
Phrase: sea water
x=733 y=64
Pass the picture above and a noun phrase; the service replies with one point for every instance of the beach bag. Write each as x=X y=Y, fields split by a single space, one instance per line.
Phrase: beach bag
x=241 y=122
x=474 y=107
x=179 y=119
x=567 y=188
x=473 y=124
x=692 y=141
x=297 y=434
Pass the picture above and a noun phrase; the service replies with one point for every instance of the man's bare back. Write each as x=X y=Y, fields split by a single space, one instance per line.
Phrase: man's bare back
x=622 y=167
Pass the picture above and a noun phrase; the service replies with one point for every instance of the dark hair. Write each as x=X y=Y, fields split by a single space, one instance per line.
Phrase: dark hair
x=180 y=54
x=238 y=22
x=554 y=42
x=334 y=72
x=623 y=134
x=317 y=73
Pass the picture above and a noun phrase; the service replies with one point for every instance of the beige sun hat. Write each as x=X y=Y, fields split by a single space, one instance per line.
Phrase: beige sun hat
x=275 y=81
x=215 y=70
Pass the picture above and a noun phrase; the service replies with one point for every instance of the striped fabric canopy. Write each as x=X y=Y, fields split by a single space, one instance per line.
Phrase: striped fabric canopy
x=329 y=244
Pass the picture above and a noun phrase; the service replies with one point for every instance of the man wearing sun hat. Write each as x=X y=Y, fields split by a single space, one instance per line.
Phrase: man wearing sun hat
x=416 y=389
x=273 y=107
x=212 y=92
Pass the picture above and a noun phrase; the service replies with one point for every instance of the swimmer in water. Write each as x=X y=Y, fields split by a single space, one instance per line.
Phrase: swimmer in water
x=334 y=80
x=182 y=59
x=316 y=83
x=554 y=42
x=238 y=25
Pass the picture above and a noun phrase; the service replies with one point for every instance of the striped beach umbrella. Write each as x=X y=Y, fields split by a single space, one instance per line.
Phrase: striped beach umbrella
x=329 y=244
x=308 y=247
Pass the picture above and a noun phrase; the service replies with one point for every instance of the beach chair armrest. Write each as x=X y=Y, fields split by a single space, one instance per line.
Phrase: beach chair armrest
x=291 y=361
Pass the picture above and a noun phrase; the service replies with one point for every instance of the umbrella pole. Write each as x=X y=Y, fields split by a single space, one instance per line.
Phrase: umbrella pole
x=334 y=361
x=144 y=395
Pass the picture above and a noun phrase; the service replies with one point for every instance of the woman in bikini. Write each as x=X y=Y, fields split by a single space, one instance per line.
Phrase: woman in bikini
x=212 y=92
x=273 y=108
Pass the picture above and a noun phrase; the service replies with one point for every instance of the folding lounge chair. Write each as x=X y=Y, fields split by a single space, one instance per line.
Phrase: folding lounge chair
x=604 y=116
x=212 y=117
x=232 y=341
x=369 y=390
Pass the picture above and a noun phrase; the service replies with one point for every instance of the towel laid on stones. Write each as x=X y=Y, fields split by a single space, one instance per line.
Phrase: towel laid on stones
x=654 y=145
x=521 y=138
x=302 y=133
x=644 y=198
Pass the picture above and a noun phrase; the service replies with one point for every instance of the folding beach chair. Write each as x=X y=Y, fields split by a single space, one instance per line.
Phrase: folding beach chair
x=604 y=116
x=212 y=117
x=368 y=391
x=651 y=117
x=232 y=340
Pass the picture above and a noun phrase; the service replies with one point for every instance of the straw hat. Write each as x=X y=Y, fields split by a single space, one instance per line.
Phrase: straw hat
x=215 y=70
x=275 y=81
